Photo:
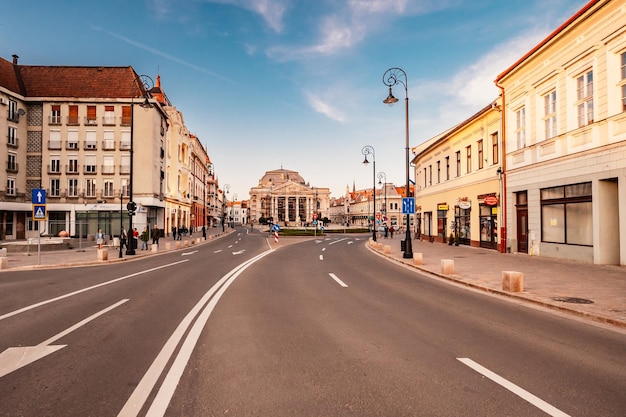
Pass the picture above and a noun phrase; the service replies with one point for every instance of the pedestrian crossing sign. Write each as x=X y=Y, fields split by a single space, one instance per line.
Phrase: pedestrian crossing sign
x=39 y=212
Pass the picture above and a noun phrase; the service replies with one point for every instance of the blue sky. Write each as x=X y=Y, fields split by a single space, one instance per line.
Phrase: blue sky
x=296 y=84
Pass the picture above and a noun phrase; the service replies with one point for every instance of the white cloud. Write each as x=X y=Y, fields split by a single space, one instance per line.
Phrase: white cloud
x=272 y=11
x=324 y=108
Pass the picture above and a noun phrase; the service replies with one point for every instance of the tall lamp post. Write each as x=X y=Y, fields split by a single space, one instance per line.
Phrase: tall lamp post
x=380 y=176
x=142 y=84
x=392 y=77
x=369 y=150
x=225 y=204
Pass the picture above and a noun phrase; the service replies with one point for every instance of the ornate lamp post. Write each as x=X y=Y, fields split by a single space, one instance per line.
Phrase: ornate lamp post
x=225 y=204
x=369 y=150
x=380 y=176
x=392 y=77
x=142 y=84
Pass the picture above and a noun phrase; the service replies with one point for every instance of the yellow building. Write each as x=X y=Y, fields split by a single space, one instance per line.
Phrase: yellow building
x=457 y=182
x=565 y=140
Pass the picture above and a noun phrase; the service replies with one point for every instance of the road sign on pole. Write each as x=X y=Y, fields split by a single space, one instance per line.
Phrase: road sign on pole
x=38 y=196
x=408 y=205
x=39 y=212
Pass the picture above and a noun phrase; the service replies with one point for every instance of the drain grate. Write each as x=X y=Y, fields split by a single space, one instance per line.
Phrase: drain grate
x=574 y=300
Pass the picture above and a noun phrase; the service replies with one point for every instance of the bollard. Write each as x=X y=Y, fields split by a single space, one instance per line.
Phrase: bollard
x=512 y=281
x=185 y=243
x=103 y=254
x=4 y=262
x=3 y=252
x=168 y=245
x=387 y=249
x=154 y=248
x=418 y=259
x=178 y=244
x=447 y=266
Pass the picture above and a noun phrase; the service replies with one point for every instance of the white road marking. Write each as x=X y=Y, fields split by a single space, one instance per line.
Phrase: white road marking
x=340 y=282
x=321 y=257
x=350 y=242
x=239 y=252
x=71 y=294
x=188 y=253
x=536 y=401
x=15 y=358
x=217 y=251
x=200 y=313
x=323 y=249
x=337 y=241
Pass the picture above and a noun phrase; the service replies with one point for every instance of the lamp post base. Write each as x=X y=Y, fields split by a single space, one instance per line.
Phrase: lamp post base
x=408 y=245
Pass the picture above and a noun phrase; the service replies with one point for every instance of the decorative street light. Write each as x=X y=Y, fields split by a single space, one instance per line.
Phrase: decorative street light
x=142 y=84
x=369 y=150
x=392 y=77
x=384 y=185
x=225 y=204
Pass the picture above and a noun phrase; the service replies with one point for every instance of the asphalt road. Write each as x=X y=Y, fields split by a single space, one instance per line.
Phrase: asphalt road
x=317 y=328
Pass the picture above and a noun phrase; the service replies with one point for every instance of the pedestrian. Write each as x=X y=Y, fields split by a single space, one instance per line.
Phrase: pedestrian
x=391 y=230
x=180 y=233
x=174 y=232
x=204 y=232
x=123 y=239
x=144 y=239
x=135 y=238
x=156 y=233
x=386 y=231
x=99 y=238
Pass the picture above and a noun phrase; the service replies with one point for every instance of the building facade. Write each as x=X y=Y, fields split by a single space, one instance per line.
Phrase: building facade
x=458 y=182
x=565 y=140
x=283 y=196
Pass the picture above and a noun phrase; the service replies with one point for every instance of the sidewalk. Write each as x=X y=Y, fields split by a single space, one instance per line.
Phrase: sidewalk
x=595 y=292
x=87 y=254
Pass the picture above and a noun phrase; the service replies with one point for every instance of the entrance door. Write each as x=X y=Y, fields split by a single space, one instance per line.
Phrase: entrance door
x=522 y=230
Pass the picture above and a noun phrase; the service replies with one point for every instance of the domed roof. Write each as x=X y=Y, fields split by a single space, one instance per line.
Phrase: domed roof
x=280 y=176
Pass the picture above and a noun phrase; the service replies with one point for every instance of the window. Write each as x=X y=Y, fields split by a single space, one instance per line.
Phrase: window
x=125 y=188
x=12 y=162
x=438 y=172
x=72 y=187
x=549 y=114
x=72 y=165
x=447 y=168
x=55 y=140
x=55 y=187
x=480 y=154
x=125 y=143
x=566 y=215
x=468 y=159
x=55 y=114
x=495 y=152
x=91 y=116
x=125 y=166
x=458 y=163
x=109 y=115
x=584 y=95
x=55 y=165
x=430 y=175
x=425 y=178
x=90 y=164
x=90 y=190
x=520 y=128
x=126 y=116
x=108 y=188
x=90 y=140
x=623 y=79
x=72 y=139
x=13 y=114
x=72 y=118
x=11 y=190
x=108 y=165
x=12 y=137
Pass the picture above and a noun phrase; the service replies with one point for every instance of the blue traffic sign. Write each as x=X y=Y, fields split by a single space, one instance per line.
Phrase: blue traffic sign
x=276 y=227
x=39 y=196
x=39 y=212
x=408 y=205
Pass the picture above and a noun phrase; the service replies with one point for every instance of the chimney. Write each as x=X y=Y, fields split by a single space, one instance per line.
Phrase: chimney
x=15 y=57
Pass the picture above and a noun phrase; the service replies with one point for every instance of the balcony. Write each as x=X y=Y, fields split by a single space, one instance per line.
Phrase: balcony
x=126 y=121
x=90 y=169
x=54 y=145
x=71 y=169
x=108 y=169
x=108 y=120
x=72 y=121
x=91 y=121
x=13 y=167
x=54 y=169
x=91 y=145
x=124 y=146
x=108 y=145
x=55 y=119
x=13 y=142
x=124 y=169
x=71 y=145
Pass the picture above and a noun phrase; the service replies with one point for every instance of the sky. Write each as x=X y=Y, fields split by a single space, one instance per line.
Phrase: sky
x=296 y=84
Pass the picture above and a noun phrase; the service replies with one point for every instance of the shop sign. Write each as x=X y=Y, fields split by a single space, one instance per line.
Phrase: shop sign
x=465 y=205
x=442 y=207
x=491 y=200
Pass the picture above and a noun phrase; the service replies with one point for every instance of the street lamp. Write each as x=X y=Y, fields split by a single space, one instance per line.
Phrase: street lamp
x=141 y=84
x=383 y=175
x=121 y=223
x=391 y=77
x=225 y=204
x=369 y=150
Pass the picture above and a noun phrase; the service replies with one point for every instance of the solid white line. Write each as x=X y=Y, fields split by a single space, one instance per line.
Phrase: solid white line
x=136 y=401
x=166 y=392
x=536 y=401
x=82 y=323
x=337 y=241
x=321 y=257
x=340 y=282
x=71 y=294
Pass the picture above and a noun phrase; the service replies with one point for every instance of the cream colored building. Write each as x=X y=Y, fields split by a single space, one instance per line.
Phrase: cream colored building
x=284 y=196
x=457 y=182
x=565 y=140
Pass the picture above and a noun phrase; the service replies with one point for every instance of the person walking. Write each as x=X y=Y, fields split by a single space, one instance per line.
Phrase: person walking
x=135 y=239
x=144 y=239
x=174 y=232
x=123 y=239
x=156 y=233
x=99 y=238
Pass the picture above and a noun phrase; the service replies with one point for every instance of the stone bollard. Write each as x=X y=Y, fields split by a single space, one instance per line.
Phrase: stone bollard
x=387 y=249
x=168 y=245
x=103 y=254
x=4 y=262
x=418 y=259
x=154 y=248
x=3 y=253
x=512 y=281
x=178 y=244
x=185 y=243
x=447 y=266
